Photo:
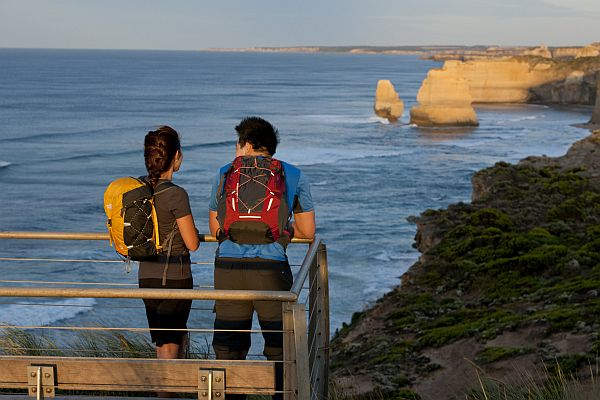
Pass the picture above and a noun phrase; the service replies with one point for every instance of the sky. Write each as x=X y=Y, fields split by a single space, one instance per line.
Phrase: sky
x=198 y=24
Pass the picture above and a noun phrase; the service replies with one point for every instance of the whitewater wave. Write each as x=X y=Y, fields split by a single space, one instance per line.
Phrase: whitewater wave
x=387 y=256
x=375 y=119
x=4 y=164
x=346 y=119
x=29 y=315
x=320 y=183
x=316 y=156
x=526 y=118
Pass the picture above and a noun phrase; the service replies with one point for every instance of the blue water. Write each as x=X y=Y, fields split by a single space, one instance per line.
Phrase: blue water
x=71 y=121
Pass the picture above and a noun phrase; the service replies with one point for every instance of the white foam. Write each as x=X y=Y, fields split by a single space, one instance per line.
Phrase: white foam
x=28 y=315
x=346 y=119
x=526 y=118
x=321 y=183
x=380 y=120
x=319 y=155
x=4 y=164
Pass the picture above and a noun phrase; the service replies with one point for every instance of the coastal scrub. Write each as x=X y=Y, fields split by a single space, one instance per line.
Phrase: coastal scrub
x=510 y=280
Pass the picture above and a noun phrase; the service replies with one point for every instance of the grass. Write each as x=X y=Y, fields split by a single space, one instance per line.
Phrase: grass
x=17 y=342
x=545 y=384
x=99 y=344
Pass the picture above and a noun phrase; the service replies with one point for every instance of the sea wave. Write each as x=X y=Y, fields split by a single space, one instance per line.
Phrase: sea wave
x=4 y=164
x=316 y=156
x=375 y=119
x=346 y=119
x=40 y=315
x=209 y=145
x=53 y=135
x=89 y=156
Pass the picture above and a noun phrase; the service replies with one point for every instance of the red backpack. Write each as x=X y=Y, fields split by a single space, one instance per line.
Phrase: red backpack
x=252 y=207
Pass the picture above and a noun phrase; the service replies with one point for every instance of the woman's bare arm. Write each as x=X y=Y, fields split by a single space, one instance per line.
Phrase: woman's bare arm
x=188 y=231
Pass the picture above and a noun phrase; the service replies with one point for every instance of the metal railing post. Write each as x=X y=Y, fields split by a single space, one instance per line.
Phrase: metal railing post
x=324 y=317
x=319 y=324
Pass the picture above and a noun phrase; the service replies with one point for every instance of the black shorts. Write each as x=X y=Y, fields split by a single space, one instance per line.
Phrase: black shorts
x=167 y=314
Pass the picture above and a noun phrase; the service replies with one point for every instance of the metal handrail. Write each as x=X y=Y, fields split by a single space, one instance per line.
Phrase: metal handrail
x=173 y=294
x=93 y=236
x=305 y=268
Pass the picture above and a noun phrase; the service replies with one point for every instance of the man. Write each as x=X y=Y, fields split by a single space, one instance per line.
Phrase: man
x=251 y=205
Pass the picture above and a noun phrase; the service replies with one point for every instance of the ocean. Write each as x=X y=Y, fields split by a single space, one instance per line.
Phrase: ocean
x=73 y=120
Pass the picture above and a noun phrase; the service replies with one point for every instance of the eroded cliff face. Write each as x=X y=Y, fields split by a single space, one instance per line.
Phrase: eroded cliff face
x=596 y=114
x=444 y=100
x=527 y=79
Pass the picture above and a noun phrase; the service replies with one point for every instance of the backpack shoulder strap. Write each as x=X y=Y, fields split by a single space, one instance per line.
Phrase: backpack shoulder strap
x=166 y=185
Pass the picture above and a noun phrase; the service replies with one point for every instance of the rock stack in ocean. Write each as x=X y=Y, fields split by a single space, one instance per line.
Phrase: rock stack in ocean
x=387 y=103
x=444 y=100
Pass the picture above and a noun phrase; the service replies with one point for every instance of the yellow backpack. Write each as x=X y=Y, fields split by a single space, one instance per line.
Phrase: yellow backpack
x=131 y=217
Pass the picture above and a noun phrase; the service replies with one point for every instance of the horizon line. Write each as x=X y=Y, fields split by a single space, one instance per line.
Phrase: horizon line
x=349 y=46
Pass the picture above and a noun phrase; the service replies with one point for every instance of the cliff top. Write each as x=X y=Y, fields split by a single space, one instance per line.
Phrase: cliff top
x=508 y=282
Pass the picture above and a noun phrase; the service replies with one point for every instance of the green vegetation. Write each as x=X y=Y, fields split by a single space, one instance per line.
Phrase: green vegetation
x=523 y=257
x=544 y=384
x=493 y=354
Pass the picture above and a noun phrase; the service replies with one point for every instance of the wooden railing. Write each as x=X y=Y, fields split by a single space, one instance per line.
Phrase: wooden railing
x=305 y=350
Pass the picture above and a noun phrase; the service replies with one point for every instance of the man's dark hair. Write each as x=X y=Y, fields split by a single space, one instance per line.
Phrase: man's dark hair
x=259 y=133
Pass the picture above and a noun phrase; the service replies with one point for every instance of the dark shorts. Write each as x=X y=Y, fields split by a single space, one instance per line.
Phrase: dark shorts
x=167 y=314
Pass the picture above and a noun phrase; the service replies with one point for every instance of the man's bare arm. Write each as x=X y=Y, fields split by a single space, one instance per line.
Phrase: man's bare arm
x=213 y=223
x=304 y=225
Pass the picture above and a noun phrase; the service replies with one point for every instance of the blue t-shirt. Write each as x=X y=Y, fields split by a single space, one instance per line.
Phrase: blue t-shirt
x=299 y=199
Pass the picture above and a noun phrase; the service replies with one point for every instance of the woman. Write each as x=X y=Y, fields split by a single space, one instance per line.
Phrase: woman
x=178 y=235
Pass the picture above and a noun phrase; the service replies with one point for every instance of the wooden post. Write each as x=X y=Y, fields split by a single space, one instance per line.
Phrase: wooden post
x=301 y=347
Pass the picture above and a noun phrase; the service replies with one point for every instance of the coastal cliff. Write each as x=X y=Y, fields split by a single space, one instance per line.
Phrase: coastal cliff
x=528 y=79
x=507 y=283
x=596 y=114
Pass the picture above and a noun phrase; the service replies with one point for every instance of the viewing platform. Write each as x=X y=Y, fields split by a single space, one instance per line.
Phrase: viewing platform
x=305 y=310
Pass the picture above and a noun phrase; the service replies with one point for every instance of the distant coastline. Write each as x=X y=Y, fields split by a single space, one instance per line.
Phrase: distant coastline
x=393 y=50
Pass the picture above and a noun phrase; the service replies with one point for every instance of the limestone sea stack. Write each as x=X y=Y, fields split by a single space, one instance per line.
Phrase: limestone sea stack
x=444 y=100
x=387 y=103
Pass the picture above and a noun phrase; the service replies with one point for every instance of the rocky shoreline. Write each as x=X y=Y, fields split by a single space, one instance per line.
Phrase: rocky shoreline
x=509 y=282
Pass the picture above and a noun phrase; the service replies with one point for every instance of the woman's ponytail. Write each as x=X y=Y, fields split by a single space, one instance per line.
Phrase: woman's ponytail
x=160 y=148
